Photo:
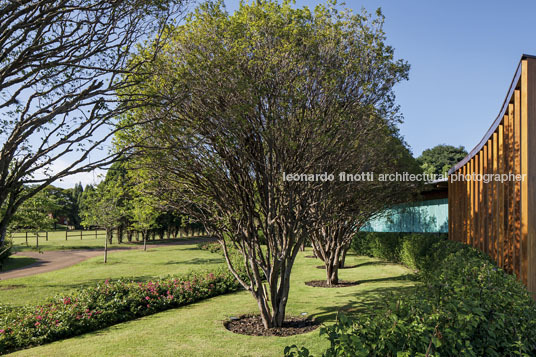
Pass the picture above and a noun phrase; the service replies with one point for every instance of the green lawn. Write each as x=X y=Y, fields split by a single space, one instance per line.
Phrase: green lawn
x=197 y=329
x=157 y=261
x=56 y=241
x=16 y=262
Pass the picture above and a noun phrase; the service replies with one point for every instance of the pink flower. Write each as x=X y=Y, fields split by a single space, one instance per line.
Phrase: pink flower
x=148 y=306
x=38 y=317
x=147 y=298
x=37 y=323
x=2 y=331
x=66 y=301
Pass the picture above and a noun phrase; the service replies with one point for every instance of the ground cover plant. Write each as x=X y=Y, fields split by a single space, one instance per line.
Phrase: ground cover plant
x=198 y=329
x=464 y=306
x=104 y=305
x=133 y=264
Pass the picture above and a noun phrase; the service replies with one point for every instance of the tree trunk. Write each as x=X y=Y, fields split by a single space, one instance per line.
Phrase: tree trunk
x=144 y=235
x=332 y=273
x=105 y=250
x=109 y=235
x=120 y=234
x=129 y=235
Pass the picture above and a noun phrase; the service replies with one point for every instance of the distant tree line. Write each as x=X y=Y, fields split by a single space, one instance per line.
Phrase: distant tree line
x=117 y=204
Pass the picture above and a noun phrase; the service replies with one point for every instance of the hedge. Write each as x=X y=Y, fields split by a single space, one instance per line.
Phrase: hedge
x=464 y=306
x=104 y=305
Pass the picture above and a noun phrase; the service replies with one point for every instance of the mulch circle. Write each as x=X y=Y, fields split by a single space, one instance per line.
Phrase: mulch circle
x=252 y=325
x=345 y=267
x=324 y=284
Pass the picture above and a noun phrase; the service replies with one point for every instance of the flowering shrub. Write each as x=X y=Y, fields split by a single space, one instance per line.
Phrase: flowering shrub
x=104 y=305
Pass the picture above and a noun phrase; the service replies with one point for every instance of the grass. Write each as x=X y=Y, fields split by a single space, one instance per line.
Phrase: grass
x=197 y=329
x=136 y=264
x=56 y=241
x=16 y=262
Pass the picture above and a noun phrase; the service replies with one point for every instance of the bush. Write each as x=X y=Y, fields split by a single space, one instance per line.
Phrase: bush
x=104 y=305
x=395 y=247
x=415 y=249
x=466 y=306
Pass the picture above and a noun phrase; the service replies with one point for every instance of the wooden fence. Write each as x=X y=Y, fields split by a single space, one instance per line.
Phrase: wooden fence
x=43 y=235
x=499 y=216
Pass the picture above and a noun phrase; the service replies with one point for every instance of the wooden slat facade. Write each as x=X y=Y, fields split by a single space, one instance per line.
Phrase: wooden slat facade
x=500 y=217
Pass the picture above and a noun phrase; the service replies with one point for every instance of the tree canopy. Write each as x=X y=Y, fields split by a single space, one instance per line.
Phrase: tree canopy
x=245 y=98
x=62 y=63
x=439 y=159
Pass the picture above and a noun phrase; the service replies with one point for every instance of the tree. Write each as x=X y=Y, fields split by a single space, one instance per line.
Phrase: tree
x=345 y=206
x=36 y=213
x=61 y=64
x=143 y=217
x=246 y=99
x=439 y=159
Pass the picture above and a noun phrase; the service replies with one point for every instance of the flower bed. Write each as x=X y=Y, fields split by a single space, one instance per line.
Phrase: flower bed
x=104 y=305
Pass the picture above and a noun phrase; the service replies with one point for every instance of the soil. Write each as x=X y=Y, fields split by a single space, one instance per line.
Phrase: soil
x=323 y=284
x=310 y=256
x=345 y=267
x=252 y=325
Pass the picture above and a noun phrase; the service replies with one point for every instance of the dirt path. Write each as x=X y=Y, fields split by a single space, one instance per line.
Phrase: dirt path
x=58 y=259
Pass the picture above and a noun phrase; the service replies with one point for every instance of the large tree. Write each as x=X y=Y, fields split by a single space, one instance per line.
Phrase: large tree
x=439 y=159
x=246 y=99
x=61 y=64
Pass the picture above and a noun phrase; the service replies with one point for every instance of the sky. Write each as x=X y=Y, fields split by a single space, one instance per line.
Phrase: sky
x=463 y=55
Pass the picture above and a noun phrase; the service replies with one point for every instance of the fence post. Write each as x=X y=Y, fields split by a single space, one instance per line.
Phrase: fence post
x=66 y=230
x=81 y=234
x=46 y=235
x=37 y=239
x=26 y=238
x=96 y=233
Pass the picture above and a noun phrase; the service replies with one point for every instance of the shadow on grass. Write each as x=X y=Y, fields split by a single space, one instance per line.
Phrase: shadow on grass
x=195 y=261
x=365 y=302
x=406 y=277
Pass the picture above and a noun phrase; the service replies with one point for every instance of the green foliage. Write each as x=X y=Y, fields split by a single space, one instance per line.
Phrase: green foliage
x=439 y=159
x=35 y=213
x=106 y=304
x=466 y=306
x=411 y=250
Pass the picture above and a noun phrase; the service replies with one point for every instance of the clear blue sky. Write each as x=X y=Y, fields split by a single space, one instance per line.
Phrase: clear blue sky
x=463 y=55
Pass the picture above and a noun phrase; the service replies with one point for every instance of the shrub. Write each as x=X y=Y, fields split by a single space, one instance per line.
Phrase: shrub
x=466 y=306
x=415 y=249
x=104 y=305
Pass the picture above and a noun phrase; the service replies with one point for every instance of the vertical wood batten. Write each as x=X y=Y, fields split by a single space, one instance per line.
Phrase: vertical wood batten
x=531 y=175
x=517 y=188
x=524 y=171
